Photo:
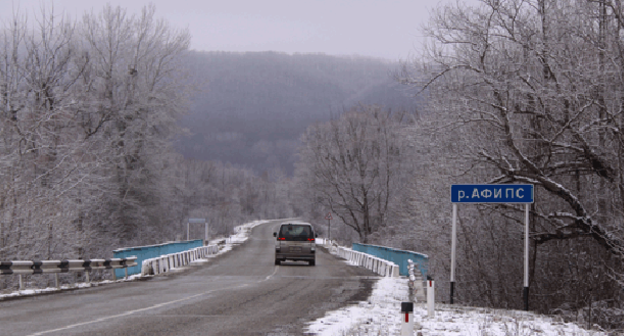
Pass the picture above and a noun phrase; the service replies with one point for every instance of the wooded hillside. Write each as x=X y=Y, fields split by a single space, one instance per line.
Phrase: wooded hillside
x=250 y=109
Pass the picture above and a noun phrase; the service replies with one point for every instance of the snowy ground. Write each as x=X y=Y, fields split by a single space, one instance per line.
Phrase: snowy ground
x=380 y=315
x=241 y=234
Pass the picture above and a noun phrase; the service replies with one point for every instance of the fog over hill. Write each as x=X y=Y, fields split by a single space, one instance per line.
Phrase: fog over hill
x=251 y=108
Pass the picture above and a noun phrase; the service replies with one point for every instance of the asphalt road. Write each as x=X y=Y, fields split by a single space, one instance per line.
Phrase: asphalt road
x=240 y=292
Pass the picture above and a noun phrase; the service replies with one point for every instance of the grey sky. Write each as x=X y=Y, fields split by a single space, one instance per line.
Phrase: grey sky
x=380 y=28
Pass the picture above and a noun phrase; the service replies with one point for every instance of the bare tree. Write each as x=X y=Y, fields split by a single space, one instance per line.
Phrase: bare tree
x=136 y=96
x=351 y=164
x=535 y=87
x=86 y=115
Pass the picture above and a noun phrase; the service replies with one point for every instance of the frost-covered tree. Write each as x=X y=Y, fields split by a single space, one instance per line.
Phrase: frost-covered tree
x=534 y=90
x=87 y=112
x=136 y=95
x=351 y=166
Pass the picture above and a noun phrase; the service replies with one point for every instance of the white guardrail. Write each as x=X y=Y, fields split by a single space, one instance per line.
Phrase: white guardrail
x=165 y=263
x=380 y=266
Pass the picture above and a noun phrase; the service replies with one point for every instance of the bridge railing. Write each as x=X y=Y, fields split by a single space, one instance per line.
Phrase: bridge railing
x=399 y=257
x=380 y=266
x=152 y=251
x=21 y=267
x=166 y=263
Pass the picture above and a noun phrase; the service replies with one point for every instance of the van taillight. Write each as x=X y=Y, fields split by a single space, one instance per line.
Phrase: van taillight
x=311 y=239
x=281 y=238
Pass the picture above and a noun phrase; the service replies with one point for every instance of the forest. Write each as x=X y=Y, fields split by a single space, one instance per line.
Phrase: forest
x=113 y=133
x=250 y=109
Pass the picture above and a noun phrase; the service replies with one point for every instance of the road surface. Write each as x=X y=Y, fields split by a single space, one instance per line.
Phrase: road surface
x=240 y=292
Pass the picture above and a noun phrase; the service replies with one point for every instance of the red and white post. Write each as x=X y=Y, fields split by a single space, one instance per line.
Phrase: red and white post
x=430 y=297
x=407 y=318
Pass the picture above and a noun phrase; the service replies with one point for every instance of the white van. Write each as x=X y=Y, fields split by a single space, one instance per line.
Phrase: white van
x=295 y=241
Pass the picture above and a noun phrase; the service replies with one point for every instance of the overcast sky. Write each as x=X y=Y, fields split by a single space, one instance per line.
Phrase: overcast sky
x=388 y=29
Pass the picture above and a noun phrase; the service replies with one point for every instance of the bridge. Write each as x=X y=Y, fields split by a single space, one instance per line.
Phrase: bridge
x=240 y=292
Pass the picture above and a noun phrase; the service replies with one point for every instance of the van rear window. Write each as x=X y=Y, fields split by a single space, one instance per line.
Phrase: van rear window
x=295 y=232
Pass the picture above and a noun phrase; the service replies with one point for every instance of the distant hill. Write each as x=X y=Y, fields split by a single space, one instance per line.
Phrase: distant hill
x=251 y=108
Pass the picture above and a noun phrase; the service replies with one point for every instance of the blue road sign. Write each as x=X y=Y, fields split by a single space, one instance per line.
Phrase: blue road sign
x=492 y=193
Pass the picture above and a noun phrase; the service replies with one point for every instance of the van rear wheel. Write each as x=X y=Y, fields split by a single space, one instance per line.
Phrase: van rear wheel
x=312 y=262
x=277 y=261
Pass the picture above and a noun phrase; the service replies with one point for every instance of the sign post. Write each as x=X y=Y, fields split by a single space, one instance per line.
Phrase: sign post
x=329 y=218
x=493 y=193
x=453 y=249
x=196 y=221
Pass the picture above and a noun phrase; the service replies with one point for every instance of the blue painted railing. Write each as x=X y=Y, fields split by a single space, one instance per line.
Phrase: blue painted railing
x=152 y=251
x=398 y=257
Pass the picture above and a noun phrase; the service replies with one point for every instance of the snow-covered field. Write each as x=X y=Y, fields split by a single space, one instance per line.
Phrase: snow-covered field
x=380 y=316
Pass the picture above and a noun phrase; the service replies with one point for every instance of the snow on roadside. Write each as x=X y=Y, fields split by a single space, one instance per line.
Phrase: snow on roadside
x=242 y=231
x=380 y=316
x=241 y=234
x=379 y=312
x=77 y=285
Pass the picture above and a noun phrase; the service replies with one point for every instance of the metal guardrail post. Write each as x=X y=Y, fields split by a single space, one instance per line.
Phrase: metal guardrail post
x=56 y=280
x=21 y=282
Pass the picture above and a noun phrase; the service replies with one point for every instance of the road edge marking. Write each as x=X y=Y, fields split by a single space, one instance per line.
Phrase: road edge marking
x=272 y=274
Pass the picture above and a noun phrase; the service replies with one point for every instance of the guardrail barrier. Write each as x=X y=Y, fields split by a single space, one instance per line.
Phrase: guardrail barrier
x=377 y=265
x=165 y=263
x=152 y=251
x=399 y=257
x=63 y=266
